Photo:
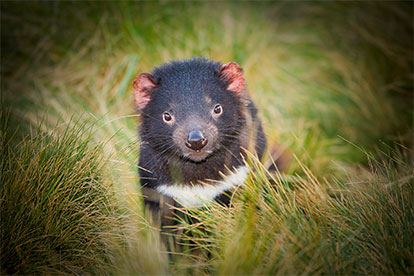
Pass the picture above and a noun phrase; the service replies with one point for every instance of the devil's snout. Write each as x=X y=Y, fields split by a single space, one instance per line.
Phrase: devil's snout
x=196 y=140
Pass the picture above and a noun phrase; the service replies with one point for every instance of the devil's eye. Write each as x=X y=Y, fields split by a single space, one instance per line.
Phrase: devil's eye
x=218 y=109
x=166 y=117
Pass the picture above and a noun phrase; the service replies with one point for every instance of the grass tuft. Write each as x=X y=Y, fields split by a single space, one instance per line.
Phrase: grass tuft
x=55 y=203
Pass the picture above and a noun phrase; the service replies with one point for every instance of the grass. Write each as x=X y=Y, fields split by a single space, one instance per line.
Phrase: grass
x=55 y=203
x=333 y=82
x=307 y=226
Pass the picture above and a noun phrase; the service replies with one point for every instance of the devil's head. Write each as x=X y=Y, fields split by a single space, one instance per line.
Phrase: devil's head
x=190 y=108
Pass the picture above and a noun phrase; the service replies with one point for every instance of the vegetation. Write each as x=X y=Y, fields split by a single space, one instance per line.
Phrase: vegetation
x=55 y=203
x=333 y=82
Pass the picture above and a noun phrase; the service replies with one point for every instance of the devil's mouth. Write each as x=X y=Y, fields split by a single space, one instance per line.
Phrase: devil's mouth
x=197 y=155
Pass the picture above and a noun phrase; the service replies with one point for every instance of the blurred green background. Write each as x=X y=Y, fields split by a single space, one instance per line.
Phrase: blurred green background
x=333 y=82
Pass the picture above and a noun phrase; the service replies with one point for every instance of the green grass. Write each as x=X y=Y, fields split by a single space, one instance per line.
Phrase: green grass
x=306 y=226
x=55 y=203
x=333 y=82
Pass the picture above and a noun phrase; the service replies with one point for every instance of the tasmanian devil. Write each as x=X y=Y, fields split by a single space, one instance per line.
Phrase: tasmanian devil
x=197 y=122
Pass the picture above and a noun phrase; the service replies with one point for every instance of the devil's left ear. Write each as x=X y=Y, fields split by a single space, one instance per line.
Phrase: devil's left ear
x=232 y=74
x=143 y=86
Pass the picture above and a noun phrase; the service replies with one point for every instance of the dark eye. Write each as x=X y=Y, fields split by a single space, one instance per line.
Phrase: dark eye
x=167 y=117
x=218 y=109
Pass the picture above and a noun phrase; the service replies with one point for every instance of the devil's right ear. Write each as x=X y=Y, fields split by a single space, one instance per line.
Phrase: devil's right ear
x=143 y=85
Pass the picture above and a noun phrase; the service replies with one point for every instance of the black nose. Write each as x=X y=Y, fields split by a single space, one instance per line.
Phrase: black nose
x=196 y=140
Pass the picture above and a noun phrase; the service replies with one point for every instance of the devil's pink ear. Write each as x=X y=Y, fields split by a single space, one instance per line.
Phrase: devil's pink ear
x=143 y=85
x=232 y=74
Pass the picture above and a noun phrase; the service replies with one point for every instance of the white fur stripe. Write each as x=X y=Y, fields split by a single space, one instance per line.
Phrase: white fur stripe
x=197 y=195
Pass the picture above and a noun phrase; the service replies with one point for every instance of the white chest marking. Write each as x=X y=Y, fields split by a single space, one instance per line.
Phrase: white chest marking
x=197 y=195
